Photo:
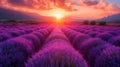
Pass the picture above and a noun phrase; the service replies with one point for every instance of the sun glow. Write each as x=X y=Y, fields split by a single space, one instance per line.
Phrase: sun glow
x=59 y=16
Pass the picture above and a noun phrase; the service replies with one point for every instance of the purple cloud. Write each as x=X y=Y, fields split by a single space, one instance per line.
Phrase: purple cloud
x=9 y=14
x=16 y=2
x=91 y=2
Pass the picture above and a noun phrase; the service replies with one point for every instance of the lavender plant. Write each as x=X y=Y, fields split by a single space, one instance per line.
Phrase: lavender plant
x=89 y=44
x=110 y=57
x=14 y=52
x=115 y=40
x=59 y=54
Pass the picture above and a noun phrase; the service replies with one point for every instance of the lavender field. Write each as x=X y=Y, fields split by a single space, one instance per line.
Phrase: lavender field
x=45 y=45
x=59 y=33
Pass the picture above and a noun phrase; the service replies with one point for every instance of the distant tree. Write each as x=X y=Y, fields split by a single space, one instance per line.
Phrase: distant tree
x=86 y=22
x=102 y=23
x=11 y=21
x=93 y=22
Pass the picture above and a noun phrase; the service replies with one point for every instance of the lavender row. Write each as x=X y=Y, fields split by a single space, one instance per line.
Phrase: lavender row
x=15 y=52
x=57 y=52
x=97 y=52
x=96 y=29
x=19 y=31
x=108 y=34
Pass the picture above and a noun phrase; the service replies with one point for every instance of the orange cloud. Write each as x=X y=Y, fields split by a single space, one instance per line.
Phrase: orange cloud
x=85 y=9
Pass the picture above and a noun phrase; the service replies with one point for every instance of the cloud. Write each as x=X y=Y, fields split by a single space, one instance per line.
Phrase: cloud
x=83 y=8
x=43 y=4
x=8 y=14
x=95 y=9
x=23 y=3
x=61 y=4
x=106 y=6
x=51 y=4
x=39 y=4
x=17 y=2
x=90 y=2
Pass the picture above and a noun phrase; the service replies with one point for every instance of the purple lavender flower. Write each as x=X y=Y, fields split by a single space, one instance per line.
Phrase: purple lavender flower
x=110 y=57
x=95 y=52
x=78 y=39
x=115 y=40
x=93 y=34
x=105 y=36
x=59 y=54
x=4 y=36
x=34 y=39
x=14 y=52
x=89 y=44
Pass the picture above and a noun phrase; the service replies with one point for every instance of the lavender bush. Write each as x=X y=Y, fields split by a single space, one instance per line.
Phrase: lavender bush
x=14 y=52
x=93 y=34
x=59 y=54
x=95 y=52
x=34 y=40
x=115 y=40
x=78 y=39
x=56 y=35
x=105 y=36
x=14 y=33
x=89 y=44
x=4 y=36
x=110 y=57
x=40 y=35
x=114 y=33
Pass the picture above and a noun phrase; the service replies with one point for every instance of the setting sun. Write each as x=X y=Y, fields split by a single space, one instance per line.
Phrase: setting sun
x=59 y=16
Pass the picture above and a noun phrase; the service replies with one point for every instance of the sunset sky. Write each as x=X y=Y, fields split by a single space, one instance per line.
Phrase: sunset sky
x=84 y=9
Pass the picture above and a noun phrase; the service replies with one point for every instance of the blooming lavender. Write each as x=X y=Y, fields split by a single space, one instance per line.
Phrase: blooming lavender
x=114 y=33
x=95 y=52
x=104 y=36
x=110 y=57
x=14 y=33
x=14 y=52
x=40 y=35
x=4 y=36
x=115 y=40
x=34 y=39
x=89 y=44
x=59 y=54
x=93 y=34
